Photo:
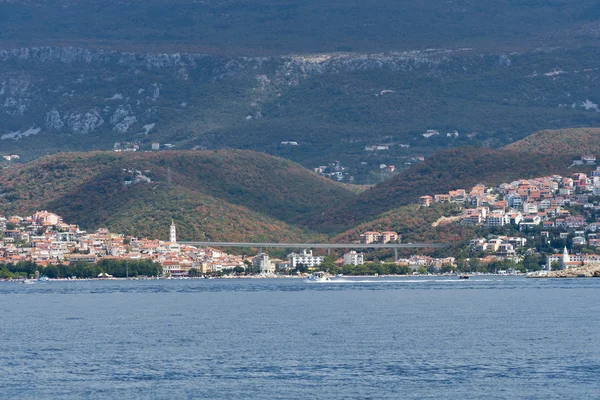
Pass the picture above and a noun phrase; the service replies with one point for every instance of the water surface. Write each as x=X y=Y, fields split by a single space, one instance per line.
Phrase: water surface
x=385 y=338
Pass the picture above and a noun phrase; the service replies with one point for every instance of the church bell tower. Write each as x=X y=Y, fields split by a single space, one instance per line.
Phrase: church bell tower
x=173 y=233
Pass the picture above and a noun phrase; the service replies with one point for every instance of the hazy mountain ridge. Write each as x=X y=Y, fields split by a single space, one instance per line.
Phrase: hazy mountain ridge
x=26 y=93
x=244 y=27
x=334 y=76
x=67 y=98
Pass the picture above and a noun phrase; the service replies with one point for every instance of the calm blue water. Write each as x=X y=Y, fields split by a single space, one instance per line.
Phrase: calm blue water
x=287 y=339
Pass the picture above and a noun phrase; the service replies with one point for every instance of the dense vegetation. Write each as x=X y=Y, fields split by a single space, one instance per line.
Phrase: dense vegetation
x=116 y=268
x=224 y=195
x=415 y=224
x=241 y=195
x=580 y=141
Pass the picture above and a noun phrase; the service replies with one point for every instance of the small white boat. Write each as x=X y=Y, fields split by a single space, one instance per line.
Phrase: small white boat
x=319 y=277
x=29 y=281
x=43 y=278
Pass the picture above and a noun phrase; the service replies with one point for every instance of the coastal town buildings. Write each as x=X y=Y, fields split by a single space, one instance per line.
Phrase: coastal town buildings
x=306 y=258
x=263 y=264
x=543 y=201
x=417 y=261
x=44 y=238
x=379 y=237
x=353 y=258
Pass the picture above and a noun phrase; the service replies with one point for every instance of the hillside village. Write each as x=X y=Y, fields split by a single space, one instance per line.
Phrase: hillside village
x=547 y=209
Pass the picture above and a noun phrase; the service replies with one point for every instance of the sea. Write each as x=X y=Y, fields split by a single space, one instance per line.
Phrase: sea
x=486 y=337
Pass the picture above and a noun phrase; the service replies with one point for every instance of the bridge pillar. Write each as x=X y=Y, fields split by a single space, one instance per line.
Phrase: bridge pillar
x=395 y=254
x=329 y=251
x=260 y=250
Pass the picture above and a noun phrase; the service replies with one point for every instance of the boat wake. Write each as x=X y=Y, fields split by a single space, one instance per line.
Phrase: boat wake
x=381 y=281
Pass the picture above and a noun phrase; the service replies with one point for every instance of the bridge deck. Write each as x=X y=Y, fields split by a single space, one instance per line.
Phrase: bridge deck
x=320 y=245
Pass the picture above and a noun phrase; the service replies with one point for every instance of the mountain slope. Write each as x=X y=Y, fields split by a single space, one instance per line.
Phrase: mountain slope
x=333 y=105
x=218 y=195
x=567 y=141
x=414 y=225
x=335 y=76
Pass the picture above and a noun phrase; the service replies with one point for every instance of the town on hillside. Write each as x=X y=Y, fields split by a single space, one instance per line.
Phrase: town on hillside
x=45 y=239
x=545 y=213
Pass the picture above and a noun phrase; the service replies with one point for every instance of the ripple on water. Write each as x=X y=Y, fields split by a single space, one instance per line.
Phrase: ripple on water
x=383 y=338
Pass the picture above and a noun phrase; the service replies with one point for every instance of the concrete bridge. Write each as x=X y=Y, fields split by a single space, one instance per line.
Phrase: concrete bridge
x=327 y=246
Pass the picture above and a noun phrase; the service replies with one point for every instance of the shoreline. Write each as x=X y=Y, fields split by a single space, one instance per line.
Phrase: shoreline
x=19 y=280
x=586 y=271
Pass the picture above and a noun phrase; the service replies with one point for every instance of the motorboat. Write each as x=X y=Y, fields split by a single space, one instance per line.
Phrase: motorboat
x=29 y=281
x=463 y=277
x=43 y=278
x=319 y=277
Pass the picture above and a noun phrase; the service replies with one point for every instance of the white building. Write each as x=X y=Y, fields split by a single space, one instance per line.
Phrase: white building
x=173 y=233
x=263 y=263
x=305 y=258
x=497 y=219
x=353 y=258
x=530 y=208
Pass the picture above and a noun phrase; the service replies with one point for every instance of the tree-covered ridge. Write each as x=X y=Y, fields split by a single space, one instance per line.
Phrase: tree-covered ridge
x=576 y=141
x=115 y=268
x=213 y=195
x=242 y=195
x=414 y=224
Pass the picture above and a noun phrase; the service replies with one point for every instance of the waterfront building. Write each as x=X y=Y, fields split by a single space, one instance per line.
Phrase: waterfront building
x=263 y=263
x=353 y=258
x=305 y=258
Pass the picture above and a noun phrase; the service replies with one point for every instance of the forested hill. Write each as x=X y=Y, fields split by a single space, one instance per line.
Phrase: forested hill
x=212 y=195
x=243 y=195
x=578 y=141
x=445 y=170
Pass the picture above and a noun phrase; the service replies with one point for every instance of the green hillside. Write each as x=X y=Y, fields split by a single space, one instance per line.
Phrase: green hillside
x=414 y=225
x=561 y=141
x=243 y=195
x=214 y=195
x=333 y=106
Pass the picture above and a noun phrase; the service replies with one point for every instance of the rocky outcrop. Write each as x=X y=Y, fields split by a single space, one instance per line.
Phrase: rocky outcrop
x=586 y=271
x=103 y=82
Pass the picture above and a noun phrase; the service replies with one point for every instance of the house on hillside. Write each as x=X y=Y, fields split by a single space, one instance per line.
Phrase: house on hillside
x=425 y=201
x=387 y=237
x=370 y=237
x=430 y=133
x=588 y=159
